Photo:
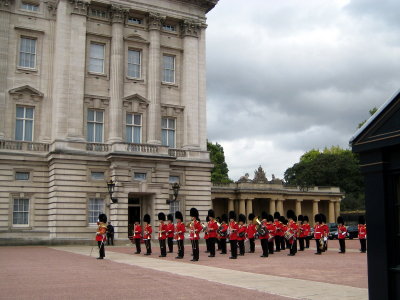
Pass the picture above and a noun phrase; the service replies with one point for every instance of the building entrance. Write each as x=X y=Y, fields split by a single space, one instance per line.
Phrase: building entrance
x=134 y=213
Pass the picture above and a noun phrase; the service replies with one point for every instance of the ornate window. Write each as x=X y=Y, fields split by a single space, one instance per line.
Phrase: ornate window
x=22 y=175
x=27 y=53
x=96 y=58
x=134 y=63
x=134 y=128
x=133 y=20
x=95 y=124
x=29 y=6
x=98 y=13
x=168 y=132
x=24 y=123
x=21 y=211
x=169 y=69
x=96 y=207
x=169 y=27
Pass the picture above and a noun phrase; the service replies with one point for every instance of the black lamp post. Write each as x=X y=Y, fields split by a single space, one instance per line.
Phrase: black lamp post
x=111 y=187
x=175 y=189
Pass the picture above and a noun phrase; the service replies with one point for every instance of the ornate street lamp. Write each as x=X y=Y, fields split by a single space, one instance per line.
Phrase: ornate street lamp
x=175 y=189
x=111 y=187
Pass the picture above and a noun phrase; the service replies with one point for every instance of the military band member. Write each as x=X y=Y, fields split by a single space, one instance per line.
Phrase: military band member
x=147 y=231
x=170 y=233
x=218 y=220
x=271 y=231
x=362 y=234
x=206 y=235
x=233 y=228
x=307 y=231
x=318 y=234
x=180 y=230
x=263 y=234
x=101 y=235
x=162 y=234
x=223 y=233
x=241 y=233
x=278 y=231
x=342 y=233
x=284 y=229
x=325 y=229
x=251 y=231
x=212 y=228
x=137 y=236
x=292 y=232
x=300 y=234
x=195 y=229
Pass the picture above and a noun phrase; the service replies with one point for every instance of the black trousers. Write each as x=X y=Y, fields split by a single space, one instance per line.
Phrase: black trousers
x=342 y=244
x=241 y=247
x=110 y=239
x=181 y=248
x=325 y=245
x=223 y=246
x=252 y=245
x=233 y=248
x=264 y=246
x=137 y=243
x=283 y=243
x=163 y=249
x=293 y=247
x=271 y=247
x=318 y=244
x=102 y=252
x=219 y=244
x=308 y=238
x=363 y=243
x=301 y=243
x=195 y=249
x=277 y=243
x=148 y=246
x=170 y=241
x=208 y=245
x=211 y=245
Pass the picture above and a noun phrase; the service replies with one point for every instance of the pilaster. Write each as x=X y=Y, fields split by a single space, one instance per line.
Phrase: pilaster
x=331 y=212
x=242 y=206
x=315 y=208
x=272 y=207
x=249 y=206
x=298 y=206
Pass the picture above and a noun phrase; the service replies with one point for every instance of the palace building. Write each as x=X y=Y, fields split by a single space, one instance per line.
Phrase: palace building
x=92 y=91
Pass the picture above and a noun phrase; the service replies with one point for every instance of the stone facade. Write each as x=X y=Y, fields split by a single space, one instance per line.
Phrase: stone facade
x=72 y=73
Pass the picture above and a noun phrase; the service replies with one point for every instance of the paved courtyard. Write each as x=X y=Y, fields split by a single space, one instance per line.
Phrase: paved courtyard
x=72 y=272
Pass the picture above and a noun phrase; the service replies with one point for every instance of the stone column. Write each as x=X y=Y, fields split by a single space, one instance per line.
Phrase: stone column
x=331 y=213
x=116 y=74
x=337 y=208
x=242 y=206
x=315 y=209
x=154 y=80
x=279 y=206
x=190 y=84
x=298 y=206
x=272 y=207
x=230 y=205
x=202 y=90
x=249 y=206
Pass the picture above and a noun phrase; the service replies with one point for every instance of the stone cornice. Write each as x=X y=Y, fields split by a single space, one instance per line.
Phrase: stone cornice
x=79 y=7
x=155 y=21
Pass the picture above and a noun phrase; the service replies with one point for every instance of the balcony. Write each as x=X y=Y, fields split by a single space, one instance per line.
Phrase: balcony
x=23 y=146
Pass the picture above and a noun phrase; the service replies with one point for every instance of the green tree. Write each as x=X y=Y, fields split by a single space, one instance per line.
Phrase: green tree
x=331 y=167
x=219 y=174
x=371 y=112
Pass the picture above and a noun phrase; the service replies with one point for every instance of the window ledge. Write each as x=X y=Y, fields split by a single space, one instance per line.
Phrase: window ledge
x=135 y=79
x=92 y=74
x=169 y=84
x=21 y=227
x=24 y=70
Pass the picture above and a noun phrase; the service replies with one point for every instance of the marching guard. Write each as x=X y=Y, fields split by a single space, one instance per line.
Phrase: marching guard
x=325 y=229
x=205 y=229
x=233 y=228
x=301 y=234
x=241 y=233
x=278 y=231
x=251 y=231
x=291 y=233
x=170 y=233
x=223 y=232
x=284 y=229
x=362 y=234
x=263 y=234
x=101 y=235
x=212 y=228
x=180 y=234
x=137 y=235
x=318 y=234
x=195 y=229
x=147 y=231
x=307 y=231
x=162 y=234
x=271 y=232
x=342 y=233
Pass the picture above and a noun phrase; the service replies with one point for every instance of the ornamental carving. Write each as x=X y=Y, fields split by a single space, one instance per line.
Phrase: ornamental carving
x=5 y=4
x=190 y=28
x=26 y=93
x=135 y=103
x=51 y=7
x=99 y=102
x=155 y=21
x=259 y=176
x=118 y=13
x=79 y=7
x=169 y=110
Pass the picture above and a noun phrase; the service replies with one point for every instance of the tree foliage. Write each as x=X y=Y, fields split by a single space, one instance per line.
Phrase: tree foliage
x=371 y=112
x=219 y=174
x=331 y=167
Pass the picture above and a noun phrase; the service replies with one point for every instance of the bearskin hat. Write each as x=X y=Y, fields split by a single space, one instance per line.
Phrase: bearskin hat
x=102 y=218
x=282 y=219
x=232 y=215
x=211 y=213
x=290 y=214
x=317 y=218
x=194 y=212
x=170 y=217
x=323 y=218
x=300 y=218
x=161 y=216
x=340 y=220
x=146 y=218
x=178 y=215
x=270 y=218
x=218 y=219
x=251 y=216
x=242 y=218
x=264 y=215
x=207 y=219
x=285 y=221
x=277 y=215
x=224 y=218
x=361 y=220
x=294 y=218
x=305 y=219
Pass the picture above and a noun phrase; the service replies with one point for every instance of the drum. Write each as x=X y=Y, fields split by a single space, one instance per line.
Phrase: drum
x=288 y=235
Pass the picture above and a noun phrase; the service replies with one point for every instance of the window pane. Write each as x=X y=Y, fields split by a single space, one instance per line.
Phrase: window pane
x=99 y=116
x=163 y=123
x=129 y=134
x=171 y=123
x=168 y=62
x=29 y=112
x=97 y=175
x=97 y=51
x=19 y=130
x=99 y=133
x=21 y=175
x=138 y=119
x=28 y=130
x=129 y=119
x=90 y=115
x=133 y=57
x=90 y=132
x=20 y=112
x=171 y=138
x=164 y=137
x=140 y=176
x=173 y=179
x=136 y=134
x=96 y=207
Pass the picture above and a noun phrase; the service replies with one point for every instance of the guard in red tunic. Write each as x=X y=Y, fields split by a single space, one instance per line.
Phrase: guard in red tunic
x=263 y=234
x=325 y=229
x=318 y=234
x=212 y=228
x=300 y=233
x=278 y=231
x=251 y=231
x=170 y=233
x=307 y=231
x=206 y=235
x=342 y=233
x=283 y=221
x=162 y=234
x=233 y=229
x=137 y=236
x=362 y=234
x=101 y=235
x=271 y=231
x=195 y=229
x=241 y=233
x=180 y=230
x=291 y=233
x=147 y=231
x=223 y=233
x=218 y=221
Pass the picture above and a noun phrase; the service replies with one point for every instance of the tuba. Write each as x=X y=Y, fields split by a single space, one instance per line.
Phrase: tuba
x=260 y=228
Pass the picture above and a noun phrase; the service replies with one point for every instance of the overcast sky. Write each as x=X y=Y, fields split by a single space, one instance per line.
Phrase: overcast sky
x=286 y=76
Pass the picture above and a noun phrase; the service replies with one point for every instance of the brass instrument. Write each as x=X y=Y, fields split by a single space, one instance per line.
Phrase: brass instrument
x=260 y=228
x=241 y=234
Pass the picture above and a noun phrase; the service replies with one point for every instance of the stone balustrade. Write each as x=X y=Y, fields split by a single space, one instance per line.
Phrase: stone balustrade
x=23 y=146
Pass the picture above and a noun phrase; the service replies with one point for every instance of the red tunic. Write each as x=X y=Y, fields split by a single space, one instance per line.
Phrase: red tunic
x=212 y=229
x=162 y=230
x=266 y=236
x=293 y=229
x=251 y=231
x=325 y=229
x=233 y=228
x=241 y=232
x=279 y=228
x=223 y=230
x=137 y=231
x=342 y=232
x=195 y=229
x=318 y=231
x=170 y=230
x=306 y=229
x=271 y=230
x=101 y=232
x=301 y=230
x=180 y=230
x=148 y=230
x=362 y=231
